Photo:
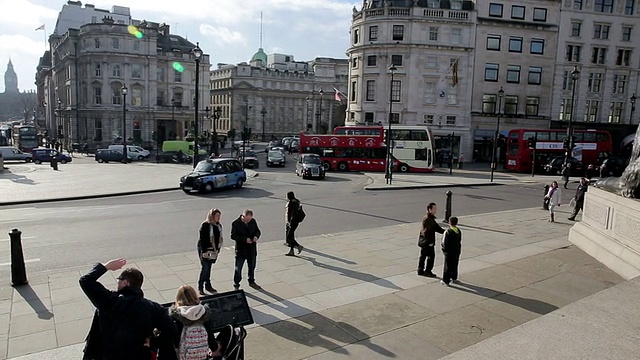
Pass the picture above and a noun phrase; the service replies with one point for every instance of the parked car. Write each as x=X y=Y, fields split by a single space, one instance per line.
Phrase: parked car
x=294 y=145
x=237 y=145
x=172 y=157
x=279 y=148
x=276 y=158
x=613 y=166
x=250 y=159
x=106 y=155
x=41 y=155
x=10 y=153
x=271 y=145
x=213 y=174
x=133 y=152
x=554 y=166
x=310 y=166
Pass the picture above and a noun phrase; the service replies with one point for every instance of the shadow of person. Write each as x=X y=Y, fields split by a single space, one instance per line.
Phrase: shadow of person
x=354 y=274
x=316 y=252
x=30 y=296
x=533 y=305
x=21 y=179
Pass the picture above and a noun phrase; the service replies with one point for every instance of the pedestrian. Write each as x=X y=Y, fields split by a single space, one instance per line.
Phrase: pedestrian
x=578 y=199
x=245 y=232
x=427 y=241
x=292 y=218
x=566 y=172
x=451 y=248
x=553 y=196
x=194 y=337
x=209 y=245
x=124 y=320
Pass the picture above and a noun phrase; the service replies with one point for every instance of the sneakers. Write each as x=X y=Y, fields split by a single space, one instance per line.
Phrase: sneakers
x=430 y=275
x=444 y=283
x=456 y=281
x=255 y=286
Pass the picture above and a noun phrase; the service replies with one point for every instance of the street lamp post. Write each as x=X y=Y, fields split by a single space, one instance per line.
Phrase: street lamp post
x=207 y=110
x=575 y=74
x=263 y=112
x=306 y=128
x=197 y=53
x=319 y=112
x=389 y=167
x=494 y=153
x=124 y=122
x=214 y=133
x=245 y=131
x=58 y=113
x=633 y=108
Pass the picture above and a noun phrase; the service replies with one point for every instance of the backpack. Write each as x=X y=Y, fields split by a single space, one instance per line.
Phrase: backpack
x=299 y=215
x=194 y=343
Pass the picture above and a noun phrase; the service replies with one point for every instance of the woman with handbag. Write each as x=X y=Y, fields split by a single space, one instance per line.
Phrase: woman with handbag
x=209 y=244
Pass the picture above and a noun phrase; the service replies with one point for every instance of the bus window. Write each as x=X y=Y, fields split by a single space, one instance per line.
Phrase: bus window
x=514 y=135
x=400 y=134
x=601 y=137
x=421 y=154
x=512 y=149
x=543 y=135
x=419 y=135
x=589 y=137
x=561 y=136
x=578 y=136
x=528 y=135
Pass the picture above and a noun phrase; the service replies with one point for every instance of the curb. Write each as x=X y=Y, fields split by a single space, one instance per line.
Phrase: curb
x=435 y=186
x=86 y=197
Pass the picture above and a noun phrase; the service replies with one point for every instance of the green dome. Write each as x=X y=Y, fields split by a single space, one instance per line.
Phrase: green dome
x=260 y=55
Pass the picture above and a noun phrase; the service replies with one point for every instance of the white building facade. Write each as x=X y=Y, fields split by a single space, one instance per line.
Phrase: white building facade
x=73 y=15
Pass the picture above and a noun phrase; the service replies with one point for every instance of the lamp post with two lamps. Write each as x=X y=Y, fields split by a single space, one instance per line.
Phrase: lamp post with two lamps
x=197 y=53
x=494 y=153
x=569 y=143
x=214 y=132
x=124 y=90
x=389 y=167
x=263 y=112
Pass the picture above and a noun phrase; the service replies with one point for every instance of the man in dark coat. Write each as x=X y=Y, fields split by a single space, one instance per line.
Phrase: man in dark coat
x=292 y=221
x=566 y=173
x=245 y=232
x=125 y=320
x=451 y=248
x=427 y=247
x=579 y=198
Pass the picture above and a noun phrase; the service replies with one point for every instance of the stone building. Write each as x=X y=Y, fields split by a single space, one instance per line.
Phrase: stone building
x=16 y=105
x=275 y=95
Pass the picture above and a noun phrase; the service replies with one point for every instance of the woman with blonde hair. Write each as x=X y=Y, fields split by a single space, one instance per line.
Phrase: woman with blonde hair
x=209 y=244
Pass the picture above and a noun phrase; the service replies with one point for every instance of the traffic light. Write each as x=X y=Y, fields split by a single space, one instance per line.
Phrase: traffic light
x=572 y=144
x=532 y=143
x=566 y=143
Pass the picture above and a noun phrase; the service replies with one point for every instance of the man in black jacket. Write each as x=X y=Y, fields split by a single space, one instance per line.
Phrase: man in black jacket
x=579 y=198
x=245 y=232
x=292 y=221
x=125 y=320
x=451 y=248
x=427 y=249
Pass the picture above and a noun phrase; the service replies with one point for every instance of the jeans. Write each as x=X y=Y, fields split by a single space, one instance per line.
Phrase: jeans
x=428 y=253
x=291 y=234
x=205 y=271
x=450 y=271
x=251 y=263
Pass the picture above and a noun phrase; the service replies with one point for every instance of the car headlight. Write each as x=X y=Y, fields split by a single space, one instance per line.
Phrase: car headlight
x=197 y=180
x=182 y=179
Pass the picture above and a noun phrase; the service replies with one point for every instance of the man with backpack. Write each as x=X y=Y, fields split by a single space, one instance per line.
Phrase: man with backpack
x=293 y=216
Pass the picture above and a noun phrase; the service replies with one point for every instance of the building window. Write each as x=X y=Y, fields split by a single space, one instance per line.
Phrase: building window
x=598 y=55
x=372 y=60
x=533 y=106
x=160 y=74
x=452 y=96
x=97 y=95
x=493 y=42
x=96 y=43
x=595 y=82
x=432 y=62
x=577 y=4
x=160 y=98
x=356 y=36
x=513 y=74
x=116 y=95
x=626 y=33
x=177 y=76
x=396 y=90
x=430 y=93
x=354 y=85
x=489 y=103
x=567 y=81
x=395 y=118
x=116 y=70
x=368 y=117
x=396 y=60
x=433 y=4
x=97 y=129
x=629 y=7
x=371 y=90
x=136 y=71
x=537 y=46
x=601 y=31
x=539 y=14
x=455 y=4
x=573 y=53
x=428 y=119
x=624 y=57
x=575 y=28
x=115 y=42
x=565 y=109
x=615 y=113
x=373 y=33
x=517 y=12
x=591 y=110
x=515 y=44
x=354 y=62
x=97 y=70
x=136 y=45
x=495 y=10
x=619 y=84
x=491 y=72
x=398 y=32
x=136 y=96
x=603 y=6
x=535 y=75
x=456 y=36
x=433 y=33
x=451 y=120
x=511 y=104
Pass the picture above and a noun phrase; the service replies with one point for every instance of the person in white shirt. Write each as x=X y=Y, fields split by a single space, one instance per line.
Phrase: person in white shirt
x=554 y=195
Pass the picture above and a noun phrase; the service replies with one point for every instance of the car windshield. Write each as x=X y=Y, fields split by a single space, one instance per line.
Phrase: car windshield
x=204 y=166
x=311 y=160
x=248 y=153
x=275 y=154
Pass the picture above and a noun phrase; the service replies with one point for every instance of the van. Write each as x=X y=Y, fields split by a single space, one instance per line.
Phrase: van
x=133 y=152
x=185 y=146
x=10 y=153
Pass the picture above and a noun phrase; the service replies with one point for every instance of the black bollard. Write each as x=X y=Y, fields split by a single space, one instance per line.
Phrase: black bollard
x=54 y=163
x=447 y=210
x=545 y=204
x=18 y=270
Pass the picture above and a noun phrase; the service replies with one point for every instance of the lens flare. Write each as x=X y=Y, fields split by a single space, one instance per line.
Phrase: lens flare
x=178 y=67
x=134 y=31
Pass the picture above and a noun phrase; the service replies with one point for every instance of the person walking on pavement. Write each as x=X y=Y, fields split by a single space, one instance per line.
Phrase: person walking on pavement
x=554 y=195
x=124 y=321
x=209 y=245
x=566 y=172
x=292 y=220
x=245 y=232
x=579 y=198
x=451 y=248
x=428 y=241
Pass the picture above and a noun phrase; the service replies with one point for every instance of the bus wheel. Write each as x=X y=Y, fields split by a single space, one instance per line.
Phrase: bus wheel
x=326 y=166
x=404 y=168
x=343 y=166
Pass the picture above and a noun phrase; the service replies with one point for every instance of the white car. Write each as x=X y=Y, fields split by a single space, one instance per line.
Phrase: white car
x=133 y=152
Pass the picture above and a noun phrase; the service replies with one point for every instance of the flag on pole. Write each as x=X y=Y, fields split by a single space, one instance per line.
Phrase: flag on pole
x=338 y=95
x=41 y=27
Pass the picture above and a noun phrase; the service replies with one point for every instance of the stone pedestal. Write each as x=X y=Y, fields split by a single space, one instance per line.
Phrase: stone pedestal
x=610 y=231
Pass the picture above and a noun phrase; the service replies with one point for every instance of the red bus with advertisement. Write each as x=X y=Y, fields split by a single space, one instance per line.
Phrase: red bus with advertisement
x=591 y=145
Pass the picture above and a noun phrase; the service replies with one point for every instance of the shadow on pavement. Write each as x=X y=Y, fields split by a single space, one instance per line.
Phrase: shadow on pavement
x=352 y=273
x=485 y=229
x=533 y=305
x=481 y=197
x=16 y=178
x=246 y=193
x=30 y=296
x=316 y=252
x=320 y=327
x=359 y=213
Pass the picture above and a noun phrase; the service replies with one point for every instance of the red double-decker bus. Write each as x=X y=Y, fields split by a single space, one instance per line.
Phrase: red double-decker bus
x=347 y=152
x=590 y=147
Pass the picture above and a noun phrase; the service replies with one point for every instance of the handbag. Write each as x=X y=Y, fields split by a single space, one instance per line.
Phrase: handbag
x=422 y=240
x=210 y=254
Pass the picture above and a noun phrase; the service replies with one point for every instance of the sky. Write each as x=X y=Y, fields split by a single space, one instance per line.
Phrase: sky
x=228 y=30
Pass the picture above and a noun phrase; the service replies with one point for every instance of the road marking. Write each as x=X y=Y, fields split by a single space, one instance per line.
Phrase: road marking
x=26 y=261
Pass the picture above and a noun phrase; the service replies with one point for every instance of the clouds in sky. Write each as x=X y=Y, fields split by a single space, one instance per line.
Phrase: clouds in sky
x=228 y=30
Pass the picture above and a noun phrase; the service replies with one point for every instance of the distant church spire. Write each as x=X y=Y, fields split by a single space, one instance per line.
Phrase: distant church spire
x=10 y=79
